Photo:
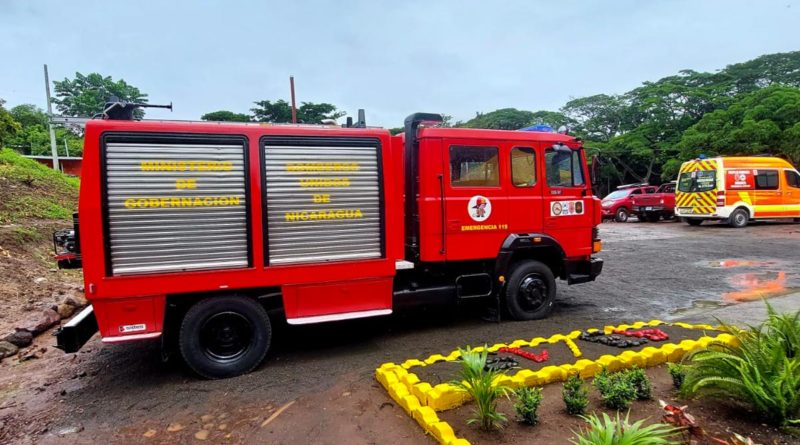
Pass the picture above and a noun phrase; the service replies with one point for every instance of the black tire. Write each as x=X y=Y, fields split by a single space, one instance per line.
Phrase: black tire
x=621 y=215
x=652 y=217
x=224 y=337
x=738 y=218
x=531 y=291
x=693 y=221
x=797 y=220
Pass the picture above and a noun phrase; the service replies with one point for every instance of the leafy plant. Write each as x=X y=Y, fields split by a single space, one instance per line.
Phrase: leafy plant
x=678 y=374
x=639 y=380
x=763 y=371
x=479 y=383
x=617 y=390
x=527 y=405
x=575 y=395
x=618 y=431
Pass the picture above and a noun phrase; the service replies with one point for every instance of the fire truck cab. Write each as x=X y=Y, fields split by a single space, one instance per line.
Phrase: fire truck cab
x=202 y=234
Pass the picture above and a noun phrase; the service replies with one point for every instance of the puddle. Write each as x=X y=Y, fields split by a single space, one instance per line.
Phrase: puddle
x=757 y=286
x=731 y=263
x=699 y=306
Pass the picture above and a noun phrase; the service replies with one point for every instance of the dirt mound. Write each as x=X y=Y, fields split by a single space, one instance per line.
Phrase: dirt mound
x=34 y=202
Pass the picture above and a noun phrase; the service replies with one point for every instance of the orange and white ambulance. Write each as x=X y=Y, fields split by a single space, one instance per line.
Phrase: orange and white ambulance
x=737 y=190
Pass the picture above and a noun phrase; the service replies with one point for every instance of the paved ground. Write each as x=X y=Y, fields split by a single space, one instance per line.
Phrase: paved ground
x=123 y=393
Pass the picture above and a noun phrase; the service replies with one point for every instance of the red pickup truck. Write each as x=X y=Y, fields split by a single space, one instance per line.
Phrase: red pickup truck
x=652 y=207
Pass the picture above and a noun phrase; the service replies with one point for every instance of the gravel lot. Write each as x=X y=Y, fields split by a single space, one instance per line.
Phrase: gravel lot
x=123 y=393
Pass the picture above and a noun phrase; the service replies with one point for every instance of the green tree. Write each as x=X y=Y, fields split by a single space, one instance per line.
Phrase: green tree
x=8 y=125
x=764 y=121
x=226 y=116
x=502 y=119
x=280 y=111
x=33 y=136
x=769 y=69
x=85 y=95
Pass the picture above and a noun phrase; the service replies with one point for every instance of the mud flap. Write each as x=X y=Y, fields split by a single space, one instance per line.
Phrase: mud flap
x=74 y=334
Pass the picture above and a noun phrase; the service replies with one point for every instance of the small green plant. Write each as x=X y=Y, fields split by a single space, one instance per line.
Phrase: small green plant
x=639 y=380
x=678 y=374
x=478 y=382
x=617 y=390
x=527 y=405
x=763 y=371
x=575 y=395
x=618 y=431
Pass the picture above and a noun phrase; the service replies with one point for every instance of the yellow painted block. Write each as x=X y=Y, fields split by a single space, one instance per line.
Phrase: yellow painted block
x=442 y=431
x=574 y=334
x=638 y=325
x=387 y=378
x=705 y=342
x=551 y=374
x=435 y=358
x=521 y=377
x=505 y=380
x=576 y=351
x=420 y=391
x=444 y=396
x=556 y=338
x=681 y=324
x=410 y=379
x=538 y=340
x=425 y=416
x=409 y=403
x=673 y=352
x=586 y=368
x=653 y=356
x=608 y=329
x=397 y=391
x=623 y=327
x=411 y=363
x=633 y=358
x=459 y=442
x=592 y=330
x=519 y=343
x=388 y=366
x=453 y=356
x=611 y=362
x=400 y=372
x=727 y=339
x=689 y=345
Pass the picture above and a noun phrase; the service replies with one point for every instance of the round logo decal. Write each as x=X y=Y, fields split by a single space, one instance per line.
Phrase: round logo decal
x=479 y=208
x=557 y=208
x=578 y=207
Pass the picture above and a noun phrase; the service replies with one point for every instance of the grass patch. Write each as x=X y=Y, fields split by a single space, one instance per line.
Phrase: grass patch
x=31 y=190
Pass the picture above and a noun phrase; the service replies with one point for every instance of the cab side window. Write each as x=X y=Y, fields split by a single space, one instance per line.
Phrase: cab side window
x=767 y=180
x=523 y=166
x=650 y=190
x=793 y=179
x=563 y=167
x=474 y=166
x=636 y=192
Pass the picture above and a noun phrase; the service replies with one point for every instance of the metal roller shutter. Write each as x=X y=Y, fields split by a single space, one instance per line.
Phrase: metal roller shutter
x=323 y=201
x=176 y=207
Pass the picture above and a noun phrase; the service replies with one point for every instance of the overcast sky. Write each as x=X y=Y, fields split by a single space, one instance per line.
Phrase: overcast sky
x=390 y=57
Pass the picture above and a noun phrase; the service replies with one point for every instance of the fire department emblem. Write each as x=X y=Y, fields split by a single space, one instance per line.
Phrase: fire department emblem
x=479 y=208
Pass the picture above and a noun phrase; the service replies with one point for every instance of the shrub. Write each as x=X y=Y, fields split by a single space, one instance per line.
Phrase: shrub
x=678 y=374
x=763 y=371
x=575 y=395
x=639 y=380
x=478 y=382
x=605 y=431
x=616 y=390
x=527 y=405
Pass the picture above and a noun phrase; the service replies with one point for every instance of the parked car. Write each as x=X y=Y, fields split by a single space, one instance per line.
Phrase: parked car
x=618 y=205
x=653 y=206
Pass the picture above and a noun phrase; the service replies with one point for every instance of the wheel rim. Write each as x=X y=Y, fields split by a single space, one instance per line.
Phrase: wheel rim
x=533 y=293
x=622 y=215
x=739 y=219
x=226 y=336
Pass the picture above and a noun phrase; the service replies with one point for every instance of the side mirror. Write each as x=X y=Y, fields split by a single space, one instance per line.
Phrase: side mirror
x=595 y=172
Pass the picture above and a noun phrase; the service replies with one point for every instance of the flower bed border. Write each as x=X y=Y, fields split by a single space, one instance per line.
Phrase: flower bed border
x=420 y=400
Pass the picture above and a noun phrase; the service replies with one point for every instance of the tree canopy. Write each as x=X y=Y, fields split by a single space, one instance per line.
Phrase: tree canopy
x=280 y=111
x=226 y=116
x=85 y=95
x=8 y=125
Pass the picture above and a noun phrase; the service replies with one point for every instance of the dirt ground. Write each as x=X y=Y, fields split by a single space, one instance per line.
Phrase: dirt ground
x=320 y=378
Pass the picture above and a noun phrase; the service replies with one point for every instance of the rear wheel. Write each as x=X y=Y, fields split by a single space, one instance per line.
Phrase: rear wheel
x=621 y=215
x=693 y=221
x=225 y=336
x=531 y=291
x=738 y=218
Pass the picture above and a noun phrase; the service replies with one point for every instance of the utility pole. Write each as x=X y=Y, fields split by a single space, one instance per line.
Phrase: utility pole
x=53 y=147
x=294 y=107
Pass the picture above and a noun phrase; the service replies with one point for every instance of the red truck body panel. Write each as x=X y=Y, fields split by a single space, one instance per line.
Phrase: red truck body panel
x=654 y=205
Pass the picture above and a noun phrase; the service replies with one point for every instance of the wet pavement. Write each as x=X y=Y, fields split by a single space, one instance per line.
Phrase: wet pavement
x=120 y=393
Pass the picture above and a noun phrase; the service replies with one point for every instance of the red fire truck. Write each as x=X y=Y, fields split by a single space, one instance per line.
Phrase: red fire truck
x=201 y=233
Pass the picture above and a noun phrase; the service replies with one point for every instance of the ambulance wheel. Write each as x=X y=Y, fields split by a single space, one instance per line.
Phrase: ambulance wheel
x=738 y=218
x=224 y=337
x=621 y=215
x=531 y=291
x=693 y=221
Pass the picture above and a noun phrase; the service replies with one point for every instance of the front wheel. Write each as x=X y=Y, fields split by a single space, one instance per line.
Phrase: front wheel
x=738 y=218
x=531 y=291
x=224 y=337
x=621 y=215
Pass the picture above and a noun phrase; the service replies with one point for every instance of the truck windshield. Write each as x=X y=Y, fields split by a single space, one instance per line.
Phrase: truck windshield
x=697 y=181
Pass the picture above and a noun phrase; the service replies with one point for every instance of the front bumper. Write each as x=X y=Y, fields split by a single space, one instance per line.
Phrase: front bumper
x=74 y=334
x=583 y=271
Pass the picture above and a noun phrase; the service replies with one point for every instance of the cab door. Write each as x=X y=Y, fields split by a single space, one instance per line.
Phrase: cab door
x=791 y=193
x=525 y=189
x=476 y=205
x=567 y=202
x=768 y=197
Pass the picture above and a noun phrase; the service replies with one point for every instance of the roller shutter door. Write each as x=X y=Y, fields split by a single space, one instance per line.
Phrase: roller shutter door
x=176 y=207
x=323 y=200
